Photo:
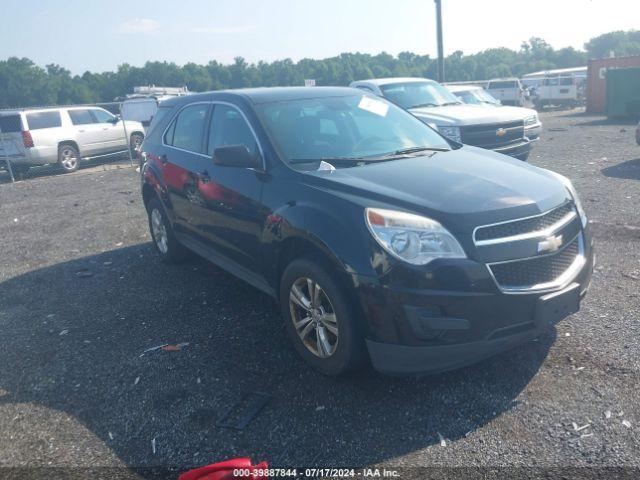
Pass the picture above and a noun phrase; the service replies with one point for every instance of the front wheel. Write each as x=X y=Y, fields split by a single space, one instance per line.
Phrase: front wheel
x=320 y=319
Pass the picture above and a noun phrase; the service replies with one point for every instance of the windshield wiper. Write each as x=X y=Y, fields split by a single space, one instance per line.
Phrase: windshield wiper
x=327 y=159
x=410 y=150
x=448 y=104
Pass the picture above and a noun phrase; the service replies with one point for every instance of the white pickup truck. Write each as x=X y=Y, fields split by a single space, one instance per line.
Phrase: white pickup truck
x=512 y=131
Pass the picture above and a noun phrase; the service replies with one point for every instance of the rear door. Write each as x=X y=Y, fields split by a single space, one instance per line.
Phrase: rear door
x=182 y=161
x=88 y=133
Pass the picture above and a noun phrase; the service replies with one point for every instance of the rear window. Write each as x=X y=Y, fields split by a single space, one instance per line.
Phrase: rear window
x=504 y=84
x=10 y=123
x=38 y=120
x=80 y=117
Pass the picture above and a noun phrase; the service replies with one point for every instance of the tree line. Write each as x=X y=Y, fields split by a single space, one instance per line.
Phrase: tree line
x=23 y=83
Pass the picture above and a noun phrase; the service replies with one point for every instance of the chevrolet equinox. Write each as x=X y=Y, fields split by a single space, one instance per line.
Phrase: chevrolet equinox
x=380 y=239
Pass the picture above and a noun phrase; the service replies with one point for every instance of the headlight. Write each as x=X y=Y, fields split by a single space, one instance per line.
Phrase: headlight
x=572 y=191
x=412 y=238
x=532 y=120
x=452 y=133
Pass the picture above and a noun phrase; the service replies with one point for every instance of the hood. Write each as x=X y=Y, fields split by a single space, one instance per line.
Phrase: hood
x=456 y=115
x=461 y=188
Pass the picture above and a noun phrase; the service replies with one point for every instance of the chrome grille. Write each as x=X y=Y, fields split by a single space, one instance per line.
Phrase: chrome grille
x=525 y=225
x=486 y=136
x=538 y=272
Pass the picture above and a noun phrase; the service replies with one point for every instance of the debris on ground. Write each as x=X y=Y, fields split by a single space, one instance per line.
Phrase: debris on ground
x=443 y=442
x=319 y=408
x=110 y=436
x=106 y=264
x=576 y=428
x=153 y=349
x=63 y=332
x=84 y=272
x=119 y=244
x=244 y=410
x=136 y=381
x=607 y=414
x=626 y=423
x=153 y=445
x=174 y=348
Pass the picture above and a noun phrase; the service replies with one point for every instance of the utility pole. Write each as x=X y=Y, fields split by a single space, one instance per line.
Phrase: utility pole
x=440 y=47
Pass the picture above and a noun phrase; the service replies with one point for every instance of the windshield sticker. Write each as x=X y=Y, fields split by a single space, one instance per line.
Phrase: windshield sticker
x=374 y=106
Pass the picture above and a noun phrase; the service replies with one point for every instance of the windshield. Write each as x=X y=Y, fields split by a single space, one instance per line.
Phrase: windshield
x=418 y=94
x=477 y=96
x=354 y=127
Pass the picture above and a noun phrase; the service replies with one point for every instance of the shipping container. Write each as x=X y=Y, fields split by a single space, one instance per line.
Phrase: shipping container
x=597 y=80
x=623 y=92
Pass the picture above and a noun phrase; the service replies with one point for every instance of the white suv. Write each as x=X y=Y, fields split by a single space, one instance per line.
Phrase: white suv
x=64 y=136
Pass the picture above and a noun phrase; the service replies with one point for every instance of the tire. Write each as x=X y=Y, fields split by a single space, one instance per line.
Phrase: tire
x=164 y=239
x=135 y=141
x=331 y=340
x=68 y=158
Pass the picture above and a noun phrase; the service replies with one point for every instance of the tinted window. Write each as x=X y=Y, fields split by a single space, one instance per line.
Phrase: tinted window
x=354 y=126
x=566 y=81
x=503 y=84
x=80 y=117
x=38 y=120
x=228 y=127
x=188 y=129
x=101 y=116
x=10 y=123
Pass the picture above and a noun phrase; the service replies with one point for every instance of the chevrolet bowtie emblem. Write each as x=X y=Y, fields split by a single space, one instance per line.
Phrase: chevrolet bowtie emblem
x=501 y=132
x=550 y=244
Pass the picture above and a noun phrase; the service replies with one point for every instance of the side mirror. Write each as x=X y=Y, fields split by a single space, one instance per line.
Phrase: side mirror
x=115 y=119
x=235 y=156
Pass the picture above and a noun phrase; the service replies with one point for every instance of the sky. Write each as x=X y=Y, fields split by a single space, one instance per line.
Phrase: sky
x=99 y=35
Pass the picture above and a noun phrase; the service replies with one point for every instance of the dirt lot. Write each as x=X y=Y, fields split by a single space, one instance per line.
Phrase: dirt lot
x=82 y=296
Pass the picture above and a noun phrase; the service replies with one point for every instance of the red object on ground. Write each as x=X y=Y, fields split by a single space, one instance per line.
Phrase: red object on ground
x=224 y=470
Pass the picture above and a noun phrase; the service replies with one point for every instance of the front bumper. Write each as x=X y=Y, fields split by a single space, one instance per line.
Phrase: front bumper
x=413 y=331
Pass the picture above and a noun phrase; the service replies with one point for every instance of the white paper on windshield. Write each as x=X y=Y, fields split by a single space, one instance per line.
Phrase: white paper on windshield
x=374 y=106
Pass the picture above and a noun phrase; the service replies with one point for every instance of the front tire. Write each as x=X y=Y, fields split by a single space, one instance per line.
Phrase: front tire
x=164 y=239
x=68 y=158
x=320 y=319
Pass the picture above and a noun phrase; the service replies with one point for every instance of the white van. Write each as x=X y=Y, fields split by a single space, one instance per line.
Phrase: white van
x=560 y=91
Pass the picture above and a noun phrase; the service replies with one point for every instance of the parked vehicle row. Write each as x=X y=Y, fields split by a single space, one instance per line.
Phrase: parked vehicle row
x=512 y=131
x=381 y=239
x=64 y=136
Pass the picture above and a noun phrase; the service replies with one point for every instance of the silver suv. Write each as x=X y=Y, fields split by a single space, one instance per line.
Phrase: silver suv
x=64 y=136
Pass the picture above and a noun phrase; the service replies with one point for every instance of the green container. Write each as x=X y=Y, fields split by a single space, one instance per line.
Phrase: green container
x=623 y=92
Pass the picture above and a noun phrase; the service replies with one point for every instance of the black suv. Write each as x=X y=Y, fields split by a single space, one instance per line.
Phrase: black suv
x=379 y=238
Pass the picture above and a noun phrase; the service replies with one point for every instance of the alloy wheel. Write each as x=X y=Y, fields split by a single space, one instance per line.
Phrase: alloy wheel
x=313 y=317
x=69 y=158
x=159 y=231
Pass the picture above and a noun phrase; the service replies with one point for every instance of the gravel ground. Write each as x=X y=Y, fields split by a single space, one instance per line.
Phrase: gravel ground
x=82 y=296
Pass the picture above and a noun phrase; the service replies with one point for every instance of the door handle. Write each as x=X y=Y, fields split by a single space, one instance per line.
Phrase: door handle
x=203 y=176
x=163 y=159
x=105 y=128
x=81 y=131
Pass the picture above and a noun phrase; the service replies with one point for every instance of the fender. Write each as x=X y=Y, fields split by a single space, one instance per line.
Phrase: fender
x=321 y=227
